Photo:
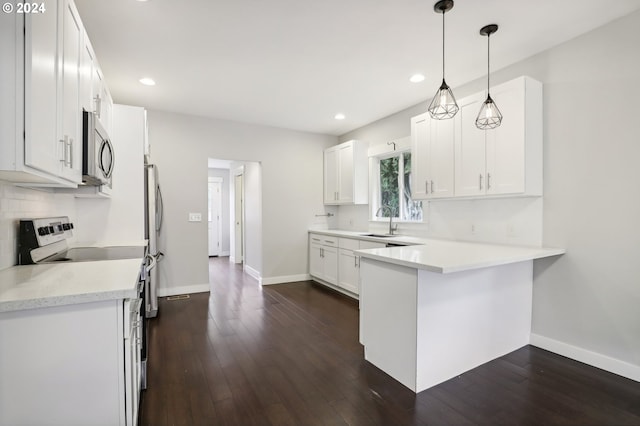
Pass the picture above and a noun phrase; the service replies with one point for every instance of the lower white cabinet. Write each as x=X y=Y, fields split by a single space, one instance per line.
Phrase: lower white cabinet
x=332 y=261
x=323 y=258
x=71 y=365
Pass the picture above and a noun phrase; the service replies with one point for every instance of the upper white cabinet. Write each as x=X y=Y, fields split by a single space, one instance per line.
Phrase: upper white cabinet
x=346 y=173
x=432 y=147
x=44 y=79
x=453 y=158
x=69 y=108
x=506 y=160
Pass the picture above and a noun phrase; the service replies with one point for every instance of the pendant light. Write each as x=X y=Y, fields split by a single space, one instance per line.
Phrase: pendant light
x=443 y=105
x=489 y=116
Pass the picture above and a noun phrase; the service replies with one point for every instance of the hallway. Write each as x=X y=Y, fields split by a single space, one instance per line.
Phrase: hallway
x=289 y=355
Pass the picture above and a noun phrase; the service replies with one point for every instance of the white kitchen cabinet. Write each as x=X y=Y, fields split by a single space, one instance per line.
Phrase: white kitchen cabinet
x=69 y=103
x=96 y=97
x=323 y=258
x=506 y=160
x=432 y=159
x=349 y=262
x=348 y=268
x=66 y=365
x=40 y=120
x=346 y=173
x=332 y=261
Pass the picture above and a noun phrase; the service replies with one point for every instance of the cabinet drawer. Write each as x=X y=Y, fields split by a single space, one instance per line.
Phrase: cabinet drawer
x=329 y=241
x=348 y=243
x=325 y=240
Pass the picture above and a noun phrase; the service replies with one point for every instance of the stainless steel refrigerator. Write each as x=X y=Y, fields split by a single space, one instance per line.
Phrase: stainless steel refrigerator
x=153 y=226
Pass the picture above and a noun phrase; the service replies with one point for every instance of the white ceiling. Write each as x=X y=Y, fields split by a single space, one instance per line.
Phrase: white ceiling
x=296 y=63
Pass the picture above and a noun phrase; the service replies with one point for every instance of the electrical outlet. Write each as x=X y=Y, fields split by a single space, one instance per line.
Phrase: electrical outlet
x=195 y=217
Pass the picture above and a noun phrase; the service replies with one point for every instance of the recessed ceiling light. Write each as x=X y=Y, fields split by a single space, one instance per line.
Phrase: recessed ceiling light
x=339 y=116
x=147 y=81
x=416 y=78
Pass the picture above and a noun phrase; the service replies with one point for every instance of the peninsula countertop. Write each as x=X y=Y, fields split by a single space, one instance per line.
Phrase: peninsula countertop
x=443 y=256
x=67 y=283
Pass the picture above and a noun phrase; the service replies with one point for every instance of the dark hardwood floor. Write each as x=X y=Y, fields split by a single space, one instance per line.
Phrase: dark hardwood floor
x=289 y=355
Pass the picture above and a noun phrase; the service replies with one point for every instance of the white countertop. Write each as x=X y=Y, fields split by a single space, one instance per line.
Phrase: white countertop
x=444 y=256
x=55 y=284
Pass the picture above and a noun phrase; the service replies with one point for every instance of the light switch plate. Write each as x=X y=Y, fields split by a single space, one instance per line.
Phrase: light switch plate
x=195 y=217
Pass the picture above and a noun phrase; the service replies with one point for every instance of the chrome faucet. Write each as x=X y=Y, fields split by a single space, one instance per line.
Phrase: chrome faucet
x=390 y=211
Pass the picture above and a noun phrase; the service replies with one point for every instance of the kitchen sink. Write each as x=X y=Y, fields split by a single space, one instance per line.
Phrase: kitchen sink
x=378 y=235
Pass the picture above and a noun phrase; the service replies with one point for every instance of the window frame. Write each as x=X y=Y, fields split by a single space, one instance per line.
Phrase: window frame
x=376 y=194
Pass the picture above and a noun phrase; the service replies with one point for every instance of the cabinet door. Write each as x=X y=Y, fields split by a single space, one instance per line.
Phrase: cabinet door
x=506 y=144
x=439 y=153
x=345 y=173
x=470 y=148
x=331 y=176
x=316 y=268
x=71 y=119
x=87 y=61
x=42 y=150
x=330 y=261
x=420 y=132
x=348 y=271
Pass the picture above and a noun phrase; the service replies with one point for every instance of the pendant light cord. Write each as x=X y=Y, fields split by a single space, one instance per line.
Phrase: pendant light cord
x=443 y=12
x=488 y=73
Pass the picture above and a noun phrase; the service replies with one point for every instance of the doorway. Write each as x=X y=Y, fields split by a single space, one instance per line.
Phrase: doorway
x=215 y=216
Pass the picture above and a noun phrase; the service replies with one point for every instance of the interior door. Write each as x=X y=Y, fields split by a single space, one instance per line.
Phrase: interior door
x=239 y=218
x=215 y=202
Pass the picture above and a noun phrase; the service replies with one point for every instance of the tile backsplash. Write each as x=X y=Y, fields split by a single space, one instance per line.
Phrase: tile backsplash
x=17 y=203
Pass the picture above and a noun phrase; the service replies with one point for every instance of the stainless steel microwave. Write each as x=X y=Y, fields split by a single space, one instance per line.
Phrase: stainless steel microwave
x=97 y=154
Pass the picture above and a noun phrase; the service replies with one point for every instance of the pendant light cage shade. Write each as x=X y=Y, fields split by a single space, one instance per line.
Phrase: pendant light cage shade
x=443 y=106
x=489 y=116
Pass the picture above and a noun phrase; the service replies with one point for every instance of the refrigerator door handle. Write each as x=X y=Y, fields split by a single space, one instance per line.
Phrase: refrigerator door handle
x=153 y=261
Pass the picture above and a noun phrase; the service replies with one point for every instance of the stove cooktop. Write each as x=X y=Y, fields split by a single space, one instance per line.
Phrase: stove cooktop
x=92 y=254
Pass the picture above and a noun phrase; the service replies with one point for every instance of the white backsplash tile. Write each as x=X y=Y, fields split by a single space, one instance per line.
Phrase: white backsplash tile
x=17 y=203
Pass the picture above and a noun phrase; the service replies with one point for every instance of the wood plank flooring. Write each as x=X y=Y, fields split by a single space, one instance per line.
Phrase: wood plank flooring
x=289 y=355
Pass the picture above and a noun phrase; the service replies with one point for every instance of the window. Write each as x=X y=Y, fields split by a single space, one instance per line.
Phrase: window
x=394 y=188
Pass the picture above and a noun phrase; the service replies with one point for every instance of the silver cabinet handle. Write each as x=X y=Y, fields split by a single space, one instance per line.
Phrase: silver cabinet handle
x=426 y=186
x=98 y=102
x=66 y=150
x=355 y=261
x=488 y=181
x=480 y=181
x=70 y=151
x=432 y=187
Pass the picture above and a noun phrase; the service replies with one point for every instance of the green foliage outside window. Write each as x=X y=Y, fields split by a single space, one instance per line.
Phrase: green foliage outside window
x=395 y=188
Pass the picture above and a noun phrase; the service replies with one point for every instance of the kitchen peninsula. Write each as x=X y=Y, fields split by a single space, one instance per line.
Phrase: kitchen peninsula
x=432 y=311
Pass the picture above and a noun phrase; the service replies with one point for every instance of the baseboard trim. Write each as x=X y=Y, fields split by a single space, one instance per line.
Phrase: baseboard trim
x=187 y=289
x=604 y=362
x=285 y=279
x=252 y=272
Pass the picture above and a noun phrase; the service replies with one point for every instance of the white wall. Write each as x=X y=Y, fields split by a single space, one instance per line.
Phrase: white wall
x=225 y=218
x=118 y=220
x=585 y=303
x=291 y=188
